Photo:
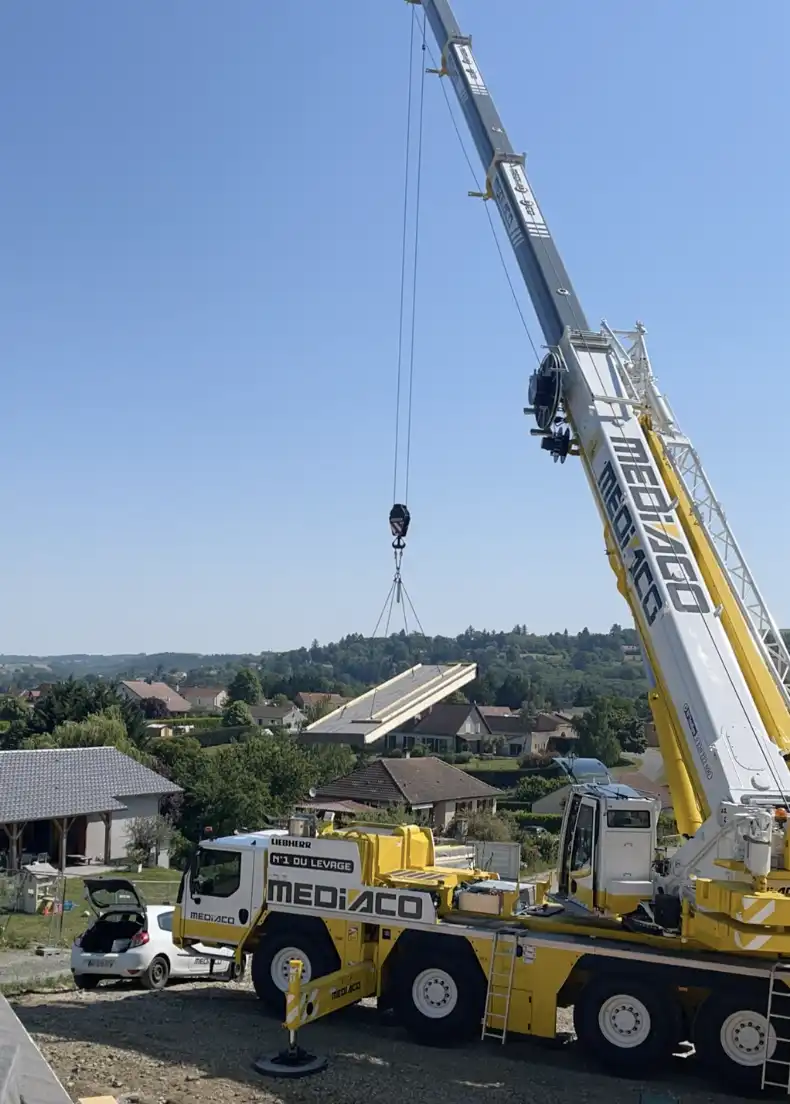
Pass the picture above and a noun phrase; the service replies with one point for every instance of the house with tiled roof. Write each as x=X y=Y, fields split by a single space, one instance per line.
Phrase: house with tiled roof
x=433 y=791
x=446 y=728
x=205 y=697
x=137 y=690
x=74 y=805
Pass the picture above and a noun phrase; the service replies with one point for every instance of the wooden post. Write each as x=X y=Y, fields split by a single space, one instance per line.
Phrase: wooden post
x=107 y=821
x=14 y=833
x=63 y=825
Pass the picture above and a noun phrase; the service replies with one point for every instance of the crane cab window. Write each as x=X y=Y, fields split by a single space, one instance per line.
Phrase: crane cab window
x=628 y=818
x=218 y=873
x=581 y=855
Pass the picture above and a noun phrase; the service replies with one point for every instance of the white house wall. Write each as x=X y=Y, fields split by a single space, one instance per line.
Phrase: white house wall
x=136 y=807
x=94 y=838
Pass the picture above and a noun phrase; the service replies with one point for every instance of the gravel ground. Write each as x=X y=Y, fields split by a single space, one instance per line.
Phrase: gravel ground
x=195 y=1043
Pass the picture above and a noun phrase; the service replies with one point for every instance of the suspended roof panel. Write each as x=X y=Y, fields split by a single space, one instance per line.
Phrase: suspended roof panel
x=368 y=718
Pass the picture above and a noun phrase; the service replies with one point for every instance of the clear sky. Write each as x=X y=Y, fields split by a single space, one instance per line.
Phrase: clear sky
x=200 y=220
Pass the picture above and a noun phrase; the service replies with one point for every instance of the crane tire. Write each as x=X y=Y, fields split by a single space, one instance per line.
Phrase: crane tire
x=271 y=958
x=729 y=1034
x=626 y=1024
x=439 y=997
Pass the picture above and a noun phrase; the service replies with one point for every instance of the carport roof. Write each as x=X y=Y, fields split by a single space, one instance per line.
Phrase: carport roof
x=67 y=782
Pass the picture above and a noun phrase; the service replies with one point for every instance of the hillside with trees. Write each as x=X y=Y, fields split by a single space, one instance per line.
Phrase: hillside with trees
x=553 y=670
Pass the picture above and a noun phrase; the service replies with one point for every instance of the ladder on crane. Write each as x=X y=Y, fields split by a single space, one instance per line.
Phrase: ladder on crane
x=778 y=1023
x=501 y=973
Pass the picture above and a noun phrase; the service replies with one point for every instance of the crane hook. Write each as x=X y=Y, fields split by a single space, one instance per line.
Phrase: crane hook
x=400 y=519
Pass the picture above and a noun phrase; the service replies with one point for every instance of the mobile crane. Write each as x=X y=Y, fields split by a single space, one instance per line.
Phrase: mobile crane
x=648 y=949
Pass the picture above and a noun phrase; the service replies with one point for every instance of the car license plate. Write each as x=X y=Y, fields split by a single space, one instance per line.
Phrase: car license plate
x=99 y=963
x=203 y=963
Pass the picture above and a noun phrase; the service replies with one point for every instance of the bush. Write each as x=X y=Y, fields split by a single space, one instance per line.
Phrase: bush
x=552 y=822
x=536 y=786
x=488 y=826
x=464 y=757
x=536 y=762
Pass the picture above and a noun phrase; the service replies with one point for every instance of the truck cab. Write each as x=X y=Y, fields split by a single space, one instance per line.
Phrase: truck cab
x=222 y=889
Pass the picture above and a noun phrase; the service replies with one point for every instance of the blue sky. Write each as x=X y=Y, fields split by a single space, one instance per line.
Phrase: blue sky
x=200 y=218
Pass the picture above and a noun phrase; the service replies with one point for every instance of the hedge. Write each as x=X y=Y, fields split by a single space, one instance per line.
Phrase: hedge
x=552 y=822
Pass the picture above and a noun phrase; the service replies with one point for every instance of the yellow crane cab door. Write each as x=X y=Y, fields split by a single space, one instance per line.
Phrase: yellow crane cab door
x=216 y=901
x=577 y=879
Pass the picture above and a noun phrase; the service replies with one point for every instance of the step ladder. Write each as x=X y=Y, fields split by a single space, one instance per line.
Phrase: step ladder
x=500 y=984
x=778 y=1017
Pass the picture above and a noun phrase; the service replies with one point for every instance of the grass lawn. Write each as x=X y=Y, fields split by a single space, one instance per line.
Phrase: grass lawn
x=20 y=929
x=501 y=763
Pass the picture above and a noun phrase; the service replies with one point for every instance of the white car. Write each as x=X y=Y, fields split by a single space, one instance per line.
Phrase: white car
x=130 y=939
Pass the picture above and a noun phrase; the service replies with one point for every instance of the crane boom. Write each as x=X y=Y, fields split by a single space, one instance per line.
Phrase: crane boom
x=548 y=283
x=585 y=404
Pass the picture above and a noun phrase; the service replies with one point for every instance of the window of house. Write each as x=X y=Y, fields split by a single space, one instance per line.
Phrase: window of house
x=165 y=921
x=218 y=873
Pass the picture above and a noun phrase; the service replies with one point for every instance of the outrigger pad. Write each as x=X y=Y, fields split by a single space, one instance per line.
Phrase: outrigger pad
x=291 y=1063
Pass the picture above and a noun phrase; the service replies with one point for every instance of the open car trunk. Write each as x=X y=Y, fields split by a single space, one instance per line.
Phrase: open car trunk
x=112 y=934
x=120 y=915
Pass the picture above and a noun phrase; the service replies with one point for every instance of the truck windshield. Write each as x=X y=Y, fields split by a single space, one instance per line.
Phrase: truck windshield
x=217 y=873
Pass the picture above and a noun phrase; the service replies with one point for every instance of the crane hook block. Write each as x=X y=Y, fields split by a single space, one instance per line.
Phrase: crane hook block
x=545 y=389
x=399 y=523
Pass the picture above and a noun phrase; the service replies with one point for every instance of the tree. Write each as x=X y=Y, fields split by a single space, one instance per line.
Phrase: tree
x=332 y=761
x=488 y=827
x=237 y=715
x=147 y=837
x=535 y=786
x=597 y=735
x=13 y=708
x=245 y=686
x=154 y=708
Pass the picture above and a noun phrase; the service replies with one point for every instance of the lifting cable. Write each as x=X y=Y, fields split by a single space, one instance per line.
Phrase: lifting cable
x=400 y=516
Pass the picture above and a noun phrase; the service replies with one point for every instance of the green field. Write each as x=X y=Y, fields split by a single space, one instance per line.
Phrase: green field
x=19 y=929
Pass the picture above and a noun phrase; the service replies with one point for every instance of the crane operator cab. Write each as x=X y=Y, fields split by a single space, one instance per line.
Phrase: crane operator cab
x=607 y=847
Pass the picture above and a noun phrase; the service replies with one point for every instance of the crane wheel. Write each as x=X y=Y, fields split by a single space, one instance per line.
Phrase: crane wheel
x=626 y=1024
x=269 y=970
x=439 y=997
x=730 y=1033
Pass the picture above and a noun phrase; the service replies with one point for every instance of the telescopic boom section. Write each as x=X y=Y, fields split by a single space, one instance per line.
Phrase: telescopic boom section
x=549 y=286
x=584 y=404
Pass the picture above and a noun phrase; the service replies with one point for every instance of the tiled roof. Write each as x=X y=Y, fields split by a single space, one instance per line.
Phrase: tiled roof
x=271 y=712
x=66 y=782
x=417 y=781
x=508 y=726
x=309 y=698
x=496 y=710
x=447 y=718
x=142 y=689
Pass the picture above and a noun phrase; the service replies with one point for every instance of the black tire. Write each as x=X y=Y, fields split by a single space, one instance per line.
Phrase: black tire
x=436 y=980
x=157 y=975
x=86 y=981
x=627 y=1025
x=315 y=951
x=732 y=1025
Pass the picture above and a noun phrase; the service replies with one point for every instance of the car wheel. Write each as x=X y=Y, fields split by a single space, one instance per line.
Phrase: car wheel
x=86 y=981
x=270 y=964
x=731 y=1036
x=157 y=974
x=626 y=1025
x=440 y=998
